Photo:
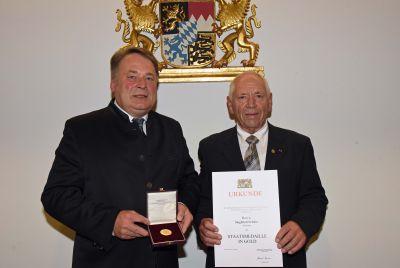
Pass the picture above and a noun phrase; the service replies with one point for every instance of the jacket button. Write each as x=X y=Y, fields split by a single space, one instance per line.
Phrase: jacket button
x=149 y=185
x=97 y=246
x=141 y=157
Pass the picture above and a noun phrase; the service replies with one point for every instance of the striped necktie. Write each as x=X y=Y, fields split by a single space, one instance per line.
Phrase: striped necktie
x=251 y=160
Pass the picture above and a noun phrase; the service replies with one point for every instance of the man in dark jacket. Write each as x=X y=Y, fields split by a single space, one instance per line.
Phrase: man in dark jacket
x=302 y=197
x=109 y=159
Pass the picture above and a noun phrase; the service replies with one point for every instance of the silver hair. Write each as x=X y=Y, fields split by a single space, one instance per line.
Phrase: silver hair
x=232 y=86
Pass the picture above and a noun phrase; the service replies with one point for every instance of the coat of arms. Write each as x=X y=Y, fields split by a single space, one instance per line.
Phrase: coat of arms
x=244 y=183
x=187 y=32
x=188 y=39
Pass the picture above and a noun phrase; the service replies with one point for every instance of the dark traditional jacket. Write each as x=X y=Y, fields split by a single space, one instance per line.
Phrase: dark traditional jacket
x=103 y=165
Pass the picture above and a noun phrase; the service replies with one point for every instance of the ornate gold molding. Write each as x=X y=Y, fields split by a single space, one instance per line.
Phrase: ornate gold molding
x=205 y=74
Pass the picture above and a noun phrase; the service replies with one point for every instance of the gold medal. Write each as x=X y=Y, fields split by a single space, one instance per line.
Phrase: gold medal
x=166 y=232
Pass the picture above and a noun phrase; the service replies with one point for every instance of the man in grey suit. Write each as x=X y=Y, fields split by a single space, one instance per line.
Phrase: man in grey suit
x=256 y=144
x=109 y=159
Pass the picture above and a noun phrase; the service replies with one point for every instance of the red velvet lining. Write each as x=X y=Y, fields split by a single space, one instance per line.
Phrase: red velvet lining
x=158 y=239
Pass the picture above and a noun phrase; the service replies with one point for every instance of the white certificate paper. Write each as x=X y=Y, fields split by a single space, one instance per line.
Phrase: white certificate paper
x=246 y=212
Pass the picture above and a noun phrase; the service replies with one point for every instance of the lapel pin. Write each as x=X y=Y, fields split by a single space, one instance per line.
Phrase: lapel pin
x=276 y=151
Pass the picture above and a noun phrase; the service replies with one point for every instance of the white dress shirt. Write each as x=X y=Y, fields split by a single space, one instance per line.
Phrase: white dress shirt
x=262 y=136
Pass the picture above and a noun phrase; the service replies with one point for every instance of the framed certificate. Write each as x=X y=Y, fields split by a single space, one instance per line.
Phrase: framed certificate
x=246 y=211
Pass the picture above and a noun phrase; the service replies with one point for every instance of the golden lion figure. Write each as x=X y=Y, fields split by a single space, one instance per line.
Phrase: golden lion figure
x=173 y=16
x=232 y=16
x=143 y=18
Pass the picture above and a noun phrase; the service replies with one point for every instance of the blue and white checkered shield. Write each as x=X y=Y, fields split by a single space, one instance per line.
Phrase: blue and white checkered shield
x=187 y=32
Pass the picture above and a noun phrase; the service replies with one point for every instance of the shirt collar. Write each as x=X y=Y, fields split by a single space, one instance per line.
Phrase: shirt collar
x=130 y=116
x=260 y=134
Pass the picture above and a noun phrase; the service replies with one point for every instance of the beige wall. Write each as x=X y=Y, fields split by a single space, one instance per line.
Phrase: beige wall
x=333 y=67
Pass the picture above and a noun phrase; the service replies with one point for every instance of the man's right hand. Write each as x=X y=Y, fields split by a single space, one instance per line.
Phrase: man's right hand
x=125 y=226
x=209 y=233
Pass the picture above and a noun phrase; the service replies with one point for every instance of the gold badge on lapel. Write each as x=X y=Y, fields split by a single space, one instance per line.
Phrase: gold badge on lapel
x=276 y=151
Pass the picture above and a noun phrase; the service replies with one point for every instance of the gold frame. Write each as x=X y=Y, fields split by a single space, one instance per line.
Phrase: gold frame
x=205 y=74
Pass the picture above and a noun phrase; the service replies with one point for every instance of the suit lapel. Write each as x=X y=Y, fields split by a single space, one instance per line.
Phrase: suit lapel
x=231 y=150
x=275 y=149
x=153 y=134
x=122 y=120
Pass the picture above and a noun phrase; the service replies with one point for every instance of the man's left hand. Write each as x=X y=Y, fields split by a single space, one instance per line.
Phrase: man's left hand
x=290 y=238
x=184 y=217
